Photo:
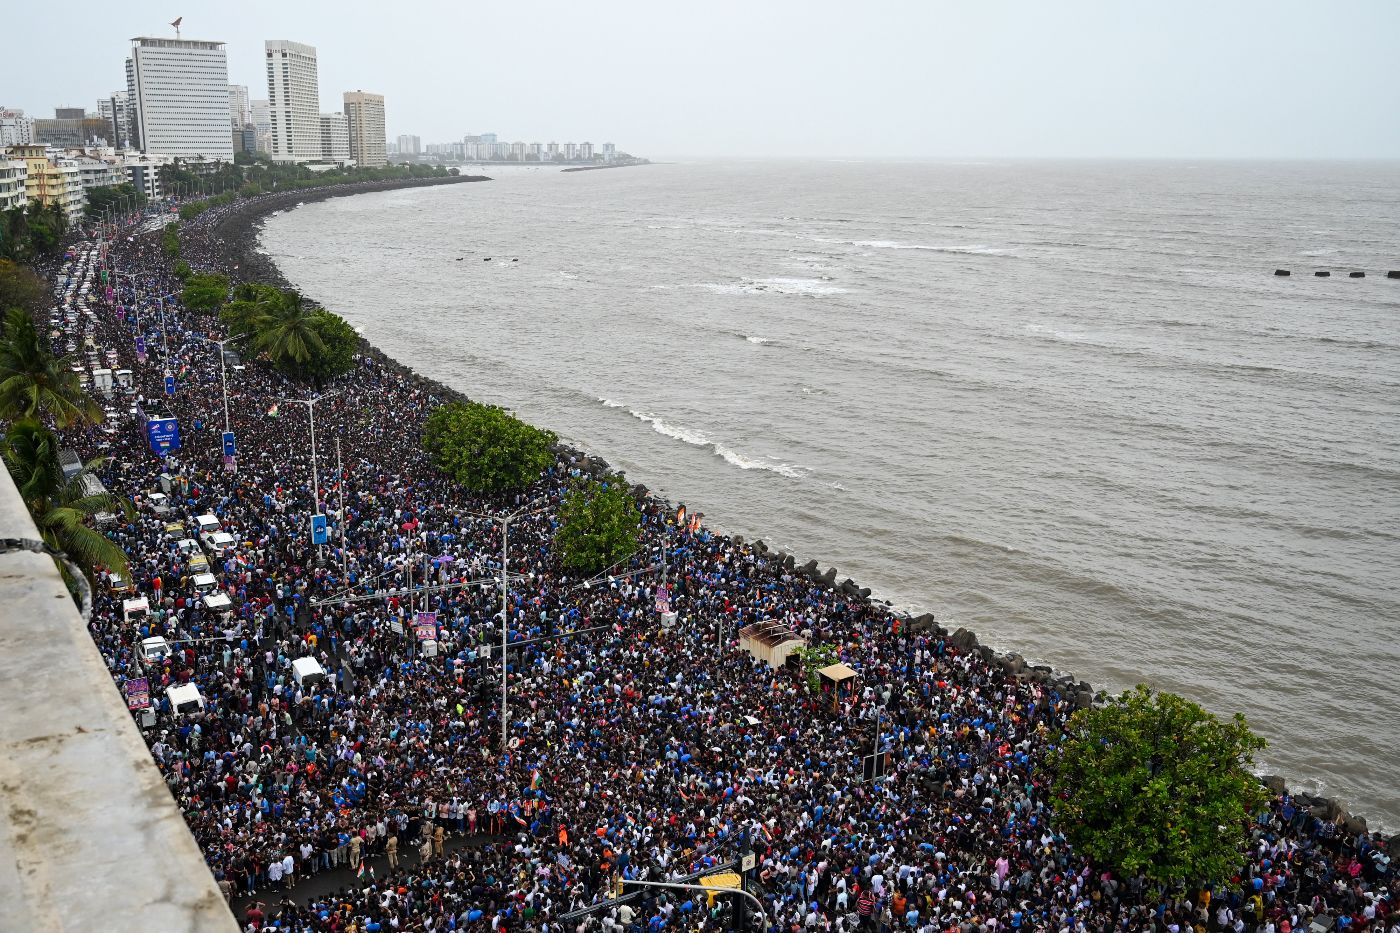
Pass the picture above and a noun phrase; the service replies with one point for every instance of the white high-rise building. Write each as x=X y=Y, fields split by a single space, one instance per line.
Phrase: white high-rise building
x=609 y=152
x=114 y=108
x=365 y=111
x=15 y=128
x=177 y=92
x=410 y=145
x=294 y=101
x=335 y=138
x=240 y=112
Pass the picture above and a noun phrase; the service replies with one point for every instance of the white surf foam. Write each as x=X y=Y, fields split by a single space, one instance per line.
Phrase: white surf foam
x=780 y=284
x=758 y=340
x=730 y=455
x=977 y=249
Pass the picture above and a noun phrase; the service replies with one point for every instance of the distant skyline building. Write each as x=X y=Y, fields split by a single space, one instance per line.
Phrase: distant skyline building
x=16 y=129
x=262 y=124
x=335 y=138
x=294 y=101
x=410 y=145
x=609 y=152
x=585 y=151
x=114 y=109
x=240 y=112
x=177 y=92
x=365 y=111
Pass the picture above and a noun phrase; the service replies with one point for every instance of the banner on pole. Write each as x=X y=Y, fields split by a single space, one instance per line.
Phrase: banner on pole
x=425 y=625
x=138 y=693
x=319 y=532
x=229 y=444
x=163 y=434
x=663 y=599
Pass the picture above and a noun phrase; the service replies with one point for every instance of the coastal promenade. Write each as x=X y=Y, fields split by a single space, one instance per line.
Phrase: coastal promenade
x=636 y=749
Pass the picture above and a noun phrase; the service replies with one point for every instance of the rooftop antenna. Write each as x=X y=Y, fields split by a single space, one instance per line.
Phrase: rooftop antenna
x=176 y=24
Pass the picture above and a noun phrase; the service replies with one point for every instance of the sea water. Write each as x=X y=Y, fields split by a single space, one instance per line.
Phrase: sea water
x=1067 y=405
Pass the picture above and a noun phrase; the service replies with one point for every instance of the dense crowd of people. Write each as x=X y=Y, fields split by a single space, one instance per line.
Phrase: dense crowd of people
x=636 y=750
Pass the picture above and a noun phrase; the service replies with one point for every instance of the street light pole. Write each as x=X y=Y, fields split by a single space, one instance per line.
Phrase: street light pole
x=315 y=475
x=223 y=374
x=505 y=609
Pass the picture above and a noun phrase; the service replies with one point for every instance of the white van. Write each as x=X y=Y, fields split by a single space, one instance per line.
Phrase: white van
x=185 y=699
x=217 y=602
x=205 y=525
x=187 y=546
x=205 y=583
x=134 y=610
x=307 y=671
x=154 y=649
x=160 y=502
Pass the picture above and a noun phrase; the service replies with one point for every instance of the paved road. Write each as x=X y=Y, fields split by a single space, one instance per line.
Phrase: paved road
x=327 y=882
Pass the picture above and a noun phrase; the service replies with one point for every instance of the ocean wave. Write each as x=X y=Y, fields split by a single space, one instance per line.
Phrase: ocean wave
x=973 y=250
x=698 y=439
x=780 y=284
x=568 y=275
x=758 y=340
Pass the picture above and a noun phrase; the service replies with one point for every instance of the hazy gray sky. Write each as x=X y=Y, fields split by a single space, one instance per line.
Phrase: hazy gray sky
x=1229 y=78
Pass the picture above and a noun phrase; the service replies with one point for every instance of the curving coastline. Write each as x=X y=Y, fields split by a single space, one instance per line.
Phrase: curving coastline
x=234 y=238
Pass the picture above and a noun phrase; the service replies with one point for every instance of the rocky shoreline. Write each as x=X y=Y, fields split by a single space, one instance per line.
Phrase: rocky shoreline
x=235 y=235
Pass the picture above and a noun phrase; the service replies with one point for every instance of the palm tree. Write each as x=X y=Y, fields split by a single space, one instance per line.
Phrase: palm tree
x=33 y=382
x=276 y=323
x=287 y=332
x=60 y=510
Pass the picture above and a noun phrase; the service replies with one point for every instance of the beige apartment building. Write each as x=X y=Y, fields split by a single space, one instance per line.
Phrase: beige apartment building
x=368 y=142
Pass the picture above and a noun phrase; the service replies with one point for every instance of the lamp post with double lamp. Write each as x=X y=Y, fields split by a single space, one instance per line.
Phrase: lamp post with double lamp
x=223 y=379
x=136 y=307
x=529 y=508
x=315 y=477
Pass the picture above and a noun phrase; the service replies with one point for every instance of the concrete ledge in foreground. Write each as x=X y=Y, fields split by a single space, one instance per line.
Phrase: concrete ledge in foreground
x=90 y=838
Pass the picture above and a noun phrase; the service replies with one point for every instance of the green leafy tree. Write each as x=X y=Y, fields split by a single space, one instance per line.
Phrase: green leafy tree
x=99 y=199
x=170 y=240
x=21 y=288
x=338 y=345
x=814 y=658
x=33 y=382
x=204 y=292
x=61 y=511
x=599 y=525
x=279 y=325
x=486 y=449
x=1153 y=783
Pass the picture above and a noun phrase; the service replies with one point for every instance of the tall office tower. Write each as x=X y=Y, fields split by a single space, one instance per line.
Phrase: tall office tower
x=177 y=90
x=294 y=101
x=365 y=112
x=410 y=145
x=240 y=113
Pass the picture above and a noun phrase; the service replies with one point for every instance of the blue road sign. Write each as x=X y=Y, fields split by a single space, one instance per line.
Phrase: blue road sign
x=319 y=533
x=169 y=385
x=229 y=450
x=164 y=435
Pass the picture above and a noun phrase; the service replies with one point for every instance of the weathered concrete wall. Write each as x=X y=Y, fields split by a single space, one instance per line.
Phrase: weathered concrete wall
x=90 y=838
